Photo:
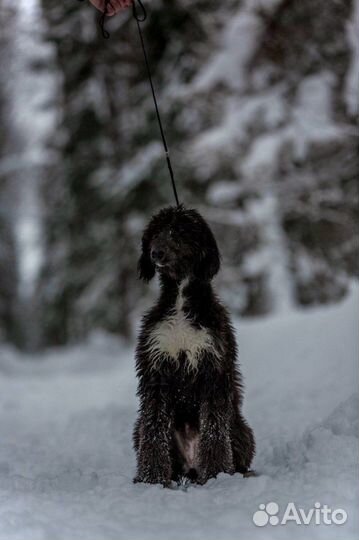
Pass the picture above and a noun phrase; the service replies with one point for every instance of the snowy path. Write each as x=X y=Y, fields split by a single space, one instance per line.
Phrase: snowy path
x=66 y=461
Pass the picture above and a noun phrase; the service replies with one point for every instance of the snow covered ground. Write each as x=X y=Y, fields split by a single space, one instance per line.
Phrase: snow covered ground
x=66 y=462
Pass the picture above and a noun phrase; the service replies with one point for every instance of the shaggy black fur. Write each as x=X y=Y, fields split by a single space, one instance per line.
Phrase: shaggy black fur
x=187 y=410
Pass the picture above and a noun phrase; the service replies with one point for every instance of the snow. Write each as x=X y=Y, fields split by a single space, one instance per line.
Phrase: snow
x=130 y=175
x=310 y=122
x=66 y=461
x=240 y=41
x=272 y=255
x=223 y=192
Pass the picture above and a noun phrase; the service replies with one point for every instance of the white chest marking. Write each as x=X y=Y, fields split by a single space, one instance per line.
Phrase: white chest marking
x=175 y=334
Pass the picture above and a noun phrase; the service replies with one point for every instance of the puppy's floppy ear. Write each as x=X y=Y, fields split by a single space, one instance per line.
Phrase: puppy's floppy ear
x=145 y=267
x=209 y=259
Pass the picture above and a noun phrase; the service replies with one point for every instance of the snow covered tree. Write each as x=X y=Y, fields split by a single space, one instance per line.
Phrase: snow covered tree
x=257 y=100
x=8 y=272
x=8 y=266
x=307 y=56
x=88 y=273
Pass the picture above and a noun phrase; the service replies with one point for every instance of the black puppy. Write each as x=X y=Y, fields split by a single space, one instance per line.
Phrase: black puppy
x=190 y=390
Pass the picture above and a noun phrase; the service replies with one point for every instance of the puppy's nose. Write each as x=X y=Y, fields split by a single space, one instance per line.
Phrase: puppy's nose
x=157 y=255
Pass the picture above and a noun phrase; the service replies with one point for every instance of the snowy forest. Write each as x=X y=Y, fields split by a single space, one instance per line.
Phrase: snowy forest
x=260 y=111
x=259 y=100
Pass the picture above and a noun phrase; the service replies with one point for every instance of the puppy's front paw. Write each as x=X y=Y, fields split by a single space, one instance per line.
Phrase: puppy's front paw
x=211 y=471
x=248 y=473
x=202 y=478
x=205 y=474
x=154 y=470
x=138 y=479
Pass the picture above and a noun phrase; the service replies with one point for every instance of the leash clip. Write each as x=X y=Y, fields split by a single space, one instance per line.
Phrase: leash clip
x=139 y=18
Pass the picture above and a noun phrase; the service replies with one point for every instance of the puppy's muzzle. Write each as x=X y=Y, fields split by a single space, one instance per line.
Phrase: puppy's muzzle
x=158 y=256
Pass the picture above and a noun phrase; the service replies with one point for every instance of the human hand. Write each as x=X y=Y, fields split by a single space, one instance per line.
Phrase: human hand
x=113 y=6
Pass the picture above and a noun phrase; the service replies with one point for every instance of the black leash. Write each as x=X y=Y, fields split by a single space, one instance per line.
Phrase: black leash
x=141 y=17
x=102 y=20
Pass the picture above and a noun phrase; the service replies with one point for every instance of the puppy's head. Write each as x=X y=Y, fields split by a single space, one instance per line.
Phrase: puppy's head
x=178 y=243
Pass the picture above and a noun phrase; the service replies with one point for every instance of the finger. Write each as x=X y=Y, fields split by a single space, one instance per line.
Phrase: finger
x=121 y=4
x=111 y=7
x=114 y=6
